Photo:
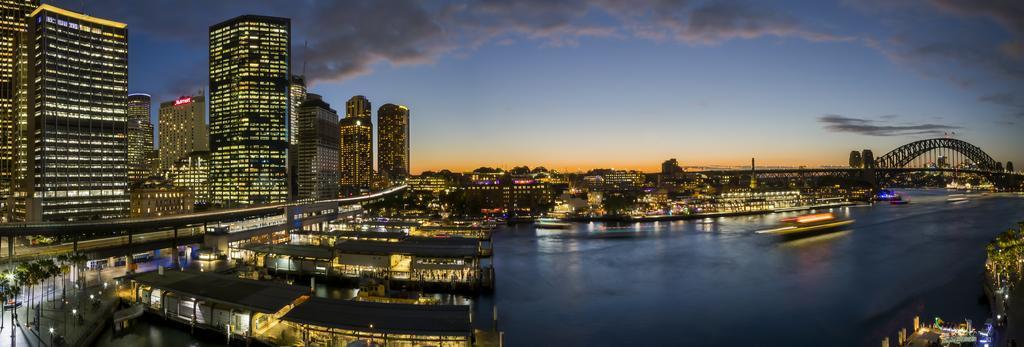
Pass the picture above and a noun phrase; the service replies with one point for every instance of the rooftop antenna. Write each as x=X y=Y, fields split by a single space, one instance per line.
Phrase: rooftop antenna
x=305 y=48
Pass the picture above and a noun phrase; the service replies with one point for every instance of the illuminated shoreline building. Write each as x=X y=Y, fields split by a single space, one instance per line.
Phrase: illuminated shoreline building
x=140 y=136
x=317 y=149
x=355 y=155
x=77 y=105
x=183 y=129
x=393 y=142
x=13 y=27
x=249 y=102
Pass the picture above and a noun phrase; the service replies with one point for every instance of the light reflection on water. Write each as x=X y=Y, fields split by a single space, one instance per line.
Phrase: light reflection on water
x=714 y=282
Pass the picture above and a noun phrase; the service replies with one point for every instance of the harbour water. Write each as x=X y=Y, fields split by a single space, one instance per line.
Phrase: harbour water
x=715 y=282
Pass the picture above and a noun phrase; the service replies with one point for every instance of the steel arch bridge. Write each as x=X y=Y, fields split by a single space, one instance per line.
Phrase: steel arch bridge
x=903 y=155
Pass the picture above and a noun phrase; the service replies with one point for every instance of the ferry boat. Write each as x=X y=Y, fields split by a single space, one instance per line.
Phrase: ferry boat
x=888 y=195
x=956 y=198
x=551 y=223
x=808 y=225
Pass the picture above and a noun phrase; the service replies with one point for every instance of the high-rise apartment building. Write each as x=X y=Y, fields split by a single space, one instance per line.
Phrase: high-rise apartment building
x=249 y=92
x=182 y=129
x=318 y=149
x=393 y=142
x=140 y=136
x=13 y=27
x=355 y=155
x=77 y=115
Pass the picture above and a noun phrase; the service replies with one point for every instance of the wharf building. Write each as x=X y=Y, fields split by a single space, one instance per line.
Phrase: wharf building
x=393 y=142
x=183 y=129
x=13 y=28
x=427 y=262
x=77 y=100
x=287 y=315
x=249 y=102
x=140 y=136
x=355 y=155
x=317 y=150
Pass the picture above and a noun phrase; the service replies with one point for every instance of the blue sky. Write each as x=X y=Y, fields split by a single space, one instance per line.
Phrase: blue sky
x=575 y=85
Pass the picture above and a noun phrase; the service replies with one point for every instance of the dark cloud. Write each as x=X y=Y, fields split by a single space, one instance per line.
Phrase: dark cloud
x=344 y=39
x=838 y=123
x=1011 y=101
x=1008 y=13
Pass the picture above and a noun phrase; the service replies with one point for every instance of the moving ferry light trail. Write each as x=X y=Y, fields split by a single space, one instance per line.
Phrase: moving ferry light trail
x=810 y=224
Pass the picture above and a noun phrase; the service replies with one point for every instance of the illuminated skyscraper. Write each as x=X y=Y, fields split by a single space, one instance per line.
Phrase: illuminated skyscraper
x=249 y=92
x=77 y=116
x=393 y=142
x=298 y=96
x=192 y=173
x=182 y=129
x=358 y=106
x=13 y=26
x=318 y=149
x=140 y=136
x=355 y=156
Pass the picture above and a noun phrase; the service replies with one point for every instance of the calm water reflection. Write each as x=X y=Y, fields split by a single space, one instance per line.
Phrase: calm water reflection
x=715 y=282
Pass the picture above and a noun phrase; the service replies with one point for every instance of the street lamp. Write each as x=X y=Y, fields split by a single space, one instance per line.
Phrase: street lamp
x=51 y=336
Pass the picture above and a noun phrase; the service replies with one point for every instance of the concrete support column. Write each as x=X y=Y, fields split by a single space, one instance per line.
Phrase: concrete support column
x=129 y=263
x=174 y=252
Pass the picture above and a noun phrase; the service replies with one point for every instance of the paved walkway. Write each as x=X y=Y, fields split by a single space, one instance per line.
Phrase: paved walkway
x=74 y=320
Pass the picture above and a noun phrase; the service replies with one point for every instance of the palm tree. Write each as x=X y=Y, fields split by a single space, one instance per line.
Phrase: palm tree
x=5 y=285
x=14 y=290
x=22 y=275
x=50 y=271
x=64 y=268
x=77 y=259
x=36 y=276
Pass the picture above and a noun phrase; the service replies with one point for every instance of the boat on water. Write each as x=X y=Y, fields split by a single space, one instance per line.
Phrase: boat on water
x=551 y=223
x=899 y=202
x=888 y=195
x=956 y=198
x=808 y=225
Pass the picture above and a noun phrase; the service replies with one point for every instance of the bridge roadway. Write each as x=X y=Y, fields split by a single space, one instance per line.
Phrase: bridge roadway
x=811 y=171
x=113 y=237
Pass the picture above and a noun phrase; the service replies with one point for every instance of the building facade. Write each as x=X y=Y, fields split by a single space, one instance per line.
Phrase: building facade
x=183 y=129
x=317 y=150
x=249 y=101
x=13 y=27
x=393 y=142
x=192 y=173
x=140 y=136
x=156 y=197
x=355 y=156
x=298 y=96
x=77 y=100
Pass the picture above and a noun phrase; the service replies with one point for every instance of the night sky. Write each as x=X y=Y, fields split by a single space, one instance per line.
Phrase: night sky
x=626 y=84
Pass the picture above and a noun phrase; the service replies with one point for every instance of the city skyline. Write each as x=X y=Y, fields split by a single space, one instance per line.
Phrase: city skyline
x=828 y=78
